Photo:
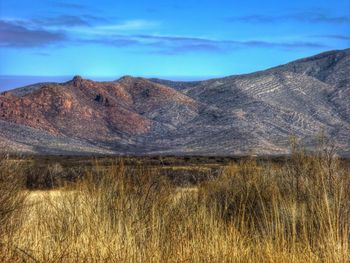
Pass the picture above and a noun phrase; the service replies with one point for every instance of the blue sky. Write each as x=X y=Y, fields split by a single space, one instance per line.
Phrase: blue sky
x=170 y=39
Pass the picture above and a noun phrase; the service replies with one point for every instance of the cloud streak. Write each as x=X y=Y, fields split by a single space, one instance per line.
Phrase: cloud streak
x=66 y=5
x=174 y=45
x=338 y=37
x=302 y=17
x=20 y=34
x=136 y=24
x=62 y=21
x=13 y=35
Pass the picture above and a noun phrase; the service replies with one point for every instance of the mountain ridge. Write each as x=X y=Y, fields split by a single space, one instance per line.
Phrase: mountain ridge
x=234 y=115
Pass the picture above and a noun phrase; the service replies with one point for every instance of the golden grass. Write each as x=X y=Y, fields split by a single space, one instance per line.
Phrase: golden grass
x=296 y=212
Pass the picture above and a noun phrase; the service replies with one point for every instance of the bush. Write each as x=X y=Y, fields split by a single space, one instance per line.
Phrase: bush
x=51 y=176
x=304 y=201
x=12 y=202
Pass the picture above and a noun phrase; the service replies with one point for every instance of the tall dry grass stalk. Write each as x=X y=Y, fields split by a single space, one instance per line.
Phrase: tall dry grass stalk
x=295 y=212
x=12 y=204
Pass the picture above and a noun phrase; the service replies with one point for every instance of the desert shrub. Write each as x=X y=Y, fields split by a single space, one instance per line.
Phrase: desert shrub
x=118 y=192
x=242 y=192
x=12 y=195
x=106 y=210
x=12 y=202
x=304 y=201
x=51 y=176
x=188 y=176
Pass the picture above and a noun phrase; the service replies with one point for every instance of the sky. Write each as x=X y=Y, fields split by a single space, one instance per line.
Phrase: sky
x=52 y=39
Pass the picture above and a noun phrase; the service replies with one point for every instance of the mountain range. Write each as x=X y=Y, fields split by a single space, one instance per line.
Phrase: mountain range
x=236 y=115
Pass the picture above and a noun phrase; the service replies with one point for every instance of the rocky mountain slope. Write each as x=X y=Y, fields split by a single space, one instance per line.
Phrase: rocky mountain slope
x=252 y=113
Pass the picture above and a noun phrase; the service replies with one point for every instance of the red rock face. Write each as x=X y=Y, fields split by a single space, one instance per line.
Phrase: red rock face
x=88 y=109
x=24 y=111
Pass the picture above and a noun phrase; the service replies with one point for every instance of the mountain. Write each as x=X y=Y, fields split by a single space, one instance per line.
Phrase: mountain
x=251 y=113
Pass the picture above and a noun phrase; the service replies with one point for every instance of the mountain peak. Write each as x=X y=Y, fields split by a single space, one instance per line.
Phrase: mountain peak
x=127 y=79
x=77 y=81
x=77 y=78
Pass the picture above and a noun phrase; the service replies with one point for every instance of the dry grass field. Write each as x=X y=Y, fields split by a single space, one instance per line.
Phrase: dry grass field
x=248 y=211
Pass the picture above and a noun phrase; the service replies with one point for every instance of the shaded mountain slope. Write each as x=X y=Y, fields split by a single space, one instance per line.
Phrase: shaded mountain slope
x=241 y=114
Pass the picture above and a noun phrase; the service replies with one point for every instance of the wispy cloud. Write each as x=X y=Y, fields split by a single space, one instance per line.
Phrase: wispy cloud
x=304 y=17
x=339 y=37
x=110 y=34
x=191 y=45
x=42 y=32
x=127 y=25
x=69 y=5
x=13 y=35
x=110 y=41
x=173 y=45
x=67 y=29
x=62 y=21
